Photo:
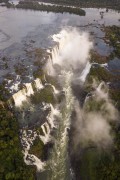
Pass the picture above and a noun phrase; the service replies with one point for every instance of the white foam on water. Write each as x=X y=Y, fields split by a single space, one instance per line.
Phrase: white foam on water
x=55 y=90
x=57 y=162
x=26 y=92
x=51 y=117
x=38 y=84
x=103 y=65
x=85 y=72
x=46 y=137
x=27 y=140
x=19 y=97
x=100 y=92
x=29 y=89
x=22 y=95
x=15 y=86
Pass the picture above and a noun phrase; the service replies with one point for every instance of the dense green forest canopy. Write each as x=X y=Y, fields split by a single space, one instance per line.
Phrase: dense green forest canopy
x=12 y=165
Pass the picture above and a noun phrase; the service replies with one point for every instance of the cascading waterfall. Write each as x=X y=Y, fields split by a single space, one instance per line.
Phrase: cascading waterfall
x=28 y=137
x=59 y=166
x=59 y=162
x=85 y=72
x=23 y=94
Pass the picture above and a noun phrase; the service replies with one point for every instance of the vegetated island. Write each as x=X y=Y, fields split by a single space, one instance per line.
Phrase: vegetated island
x=57 y=9
x=110 y=4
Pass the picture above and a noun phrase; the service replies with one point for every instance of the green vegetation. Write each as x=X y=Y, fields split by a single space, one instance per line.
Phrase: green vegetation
x=108 y=167
x=57 y=9
x=52 y=80
x=39 y=129
x=115 y=95
x=4 y=93
x=12 y=166
x=39 y=73
x=45 y=95
x=40 y=57
x=113 y=38
x=99 y=74
x=20 y=69
x=37 y=148
x=90 y=158
x=96 y=106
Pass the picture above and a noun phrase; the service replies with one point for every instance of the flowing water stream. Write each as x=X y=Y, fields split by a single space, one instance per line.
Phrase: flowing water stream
x=59 y=162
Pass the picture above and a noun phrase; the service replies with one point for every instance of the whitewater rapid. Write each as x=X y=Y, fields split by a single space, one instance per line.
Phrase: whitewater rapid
x=58 y=163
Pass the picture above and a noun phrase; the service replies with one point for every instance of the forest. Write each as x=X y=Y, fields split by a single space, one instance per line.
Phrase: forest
x=11 y=156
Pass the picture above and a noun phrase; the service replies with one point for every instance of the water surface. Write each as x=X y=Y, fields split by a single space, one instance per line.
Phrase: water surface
x=24 y=30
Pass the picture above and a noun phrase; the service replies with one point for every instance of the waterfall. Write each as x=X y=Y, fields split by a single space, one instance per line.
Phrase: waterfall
x=22 y=95
x=55 y=90
x=64 y=56
x=58 y=164
x=38 y=84
x=46 y=138
x=28 y=137
x=51 y=117
x=85 y=72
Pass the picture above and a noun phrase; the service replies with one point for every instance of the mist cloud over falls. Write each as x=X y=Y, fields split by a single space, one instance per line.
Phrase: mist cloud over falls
x=93 y=121
x=72 y=50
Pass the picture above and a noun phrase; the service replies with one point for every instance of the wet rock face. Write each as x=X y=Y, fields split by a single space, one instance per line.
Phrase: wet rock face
x=32 y=119
x=79 y=92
